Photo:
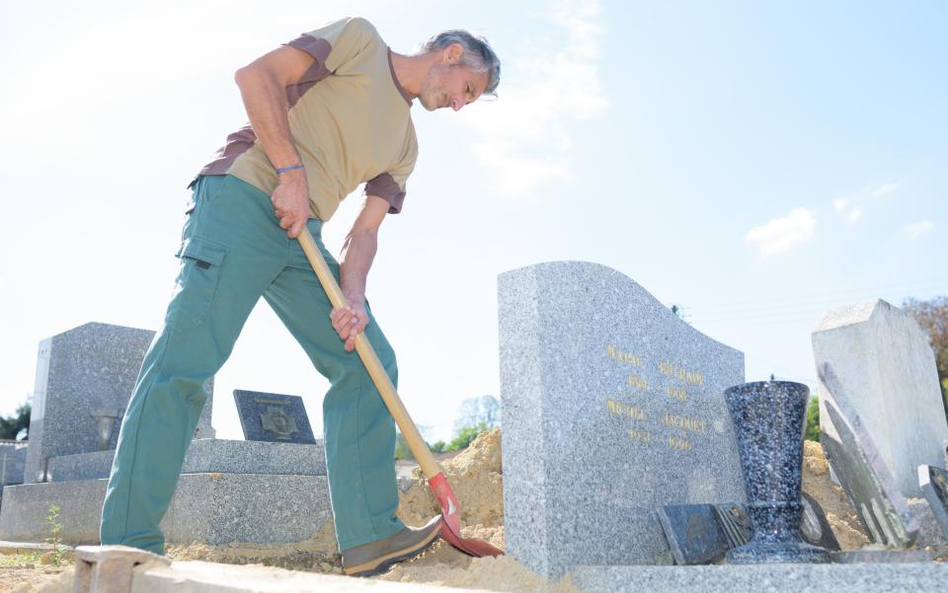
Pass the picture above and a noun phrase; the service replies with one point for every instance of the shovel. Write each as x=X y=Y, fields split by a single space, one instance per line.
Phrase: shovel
x=451 y=530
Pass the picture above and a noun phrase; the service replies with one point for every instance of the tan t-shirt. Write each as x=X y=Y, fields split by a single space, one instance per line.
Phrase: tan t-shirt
x=349 y=118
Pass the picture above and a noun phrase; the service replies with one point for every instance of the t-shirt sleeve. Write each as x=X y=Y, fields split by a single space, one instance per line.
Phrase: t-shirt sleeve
x=391 y=185
x=336 y=45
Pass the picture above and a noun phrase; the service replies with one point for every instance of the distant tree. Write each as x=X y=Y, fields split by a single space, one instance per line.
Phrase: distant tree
x=932 y=317
x=465 y=437
x=813 y=420
x=478 y=410
x=401 y=448
x=16 y=426
x=438 y=447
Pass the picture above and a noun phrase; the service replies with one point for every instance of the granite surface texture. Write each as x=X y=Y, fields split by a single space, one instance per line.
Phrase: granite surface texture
x=211 y=508
x=933 y=509
x=273 y=417
x=86 y=371
x=769 y=418
x=209 y=455
x=12 y=462
x=612 y=408
x=864 y=476
x=764 y=578
x=884 y=361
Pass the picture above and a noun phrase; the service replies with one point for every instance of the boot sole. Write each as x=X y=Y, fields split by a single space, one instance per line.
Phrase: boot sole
x=382 y=564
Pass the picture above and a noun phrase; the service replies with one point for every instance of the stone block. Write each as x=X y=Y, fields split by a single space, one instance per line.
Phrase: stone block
x=612 y=407
x=764 y=578
x=12 y=462
x=83 y=373
x=207 y=456
x=211 y=508
x=884 y=361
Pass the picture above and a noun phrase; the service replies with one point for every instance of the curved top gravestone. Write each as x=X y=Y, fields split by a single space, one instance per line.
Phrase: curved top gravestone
x=612 y=407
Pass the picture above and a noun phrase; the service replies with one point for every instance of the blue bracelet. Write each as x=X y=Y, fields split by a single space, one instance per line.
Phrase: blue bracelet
x=285 y=169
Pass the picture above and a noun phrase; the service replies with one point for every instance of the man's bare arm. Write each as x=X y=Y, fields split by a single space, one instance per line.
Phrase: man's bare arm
x=262 y=86
x=358 y=252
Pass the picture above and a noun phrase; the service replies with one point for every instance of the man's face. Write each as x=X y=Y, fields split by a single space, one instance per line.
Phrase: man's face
x=449 y=84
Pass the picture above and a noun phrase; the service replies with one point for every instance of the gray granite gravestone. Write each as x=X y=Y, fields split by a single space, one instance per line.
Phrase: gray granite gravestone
x=885 y=363
x=612 y=408
x=12 y=462
x=865 y=478
x=83 y=376
x=273 y=417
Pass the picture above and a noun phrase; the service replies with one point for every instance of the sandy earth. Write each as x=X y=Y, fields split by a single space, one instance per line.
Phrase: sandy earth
x=476 y=478
x=839 y=512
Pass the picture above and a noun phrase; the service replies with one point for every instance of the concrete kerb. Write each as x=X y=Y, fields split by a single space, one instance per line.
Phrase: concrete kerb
x=119 y=569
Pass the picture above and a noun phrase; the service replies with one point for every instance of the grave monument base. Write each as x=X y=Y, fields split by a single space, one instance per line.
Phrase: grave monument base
x=928 y=577
x=210 y=508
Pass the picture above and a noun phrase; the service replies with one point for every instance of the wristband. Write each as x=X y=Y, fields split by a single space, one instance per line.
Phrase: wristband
x=285 y=169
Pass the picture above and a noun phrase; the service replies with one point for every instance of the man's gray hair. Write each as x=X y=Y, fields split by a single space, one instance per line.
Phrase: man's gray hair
x=477 y=55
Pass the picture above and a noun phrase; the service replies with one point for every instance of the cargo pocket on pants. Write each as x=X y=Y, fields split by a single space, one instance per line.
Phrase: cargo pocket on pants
x=194 y=290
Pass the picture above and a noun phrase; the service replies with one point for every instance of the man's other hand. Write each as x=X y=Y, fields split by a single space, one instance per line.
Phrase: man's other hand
x=349 y=323
x=290 y=202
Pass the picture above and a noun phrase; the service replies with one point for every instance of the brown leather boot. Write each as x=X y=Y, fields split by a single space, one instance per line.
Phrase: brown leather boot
x=375 y=557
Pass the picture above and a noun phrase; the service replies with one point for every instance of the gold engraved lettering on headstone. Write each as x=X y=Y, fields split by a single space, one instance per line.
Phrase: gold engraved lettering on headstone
x=642 y=436
x=685 y=424
x=670 y=369
x=621 y=409
x=638 y=382
x=678 y=444
x=676 y=393
x=616 y=354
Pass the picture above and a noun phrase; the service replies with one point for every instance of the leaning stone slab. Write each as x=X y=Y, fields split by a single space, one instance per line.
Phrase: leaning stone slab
x=612 y=408
x=208 y=456
x=211 y=508
x=865 y=478
x=885 y=363
x=764 y=578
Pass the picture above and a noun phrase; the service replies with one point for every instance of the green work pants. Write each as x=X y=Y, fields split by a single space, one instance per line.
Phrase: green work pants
x=233 y=252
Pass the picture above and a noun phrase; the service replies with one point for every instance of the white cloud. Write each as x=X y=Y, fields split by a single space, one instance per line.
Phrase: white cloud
x=782 y=234
x=853 y=215
x=886 y=188
x=840 y=205
x=917 y=229
x=524 y=138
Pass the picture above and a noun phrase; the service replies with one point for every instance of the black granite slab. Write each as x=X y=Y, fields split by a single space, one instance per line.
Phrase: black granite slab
x=934 y=484
x=273 y=417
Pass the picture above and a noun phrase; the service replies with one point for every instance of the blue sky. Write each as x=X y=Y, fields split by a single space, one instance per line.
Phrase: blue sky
x=755 y=163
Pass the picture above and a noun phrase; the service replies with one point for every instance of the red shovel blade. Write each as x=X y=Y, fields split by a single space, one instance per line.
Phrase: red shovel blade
x=451 y=526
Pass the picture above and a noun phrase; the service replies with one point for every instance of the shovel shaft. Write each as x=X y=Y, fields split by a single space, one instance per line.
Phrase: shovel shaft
x=371 y=361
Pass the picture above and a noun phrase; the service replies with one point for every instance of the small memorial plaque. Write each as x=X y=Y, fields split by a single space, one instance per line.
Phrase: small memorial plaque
x=273 y=417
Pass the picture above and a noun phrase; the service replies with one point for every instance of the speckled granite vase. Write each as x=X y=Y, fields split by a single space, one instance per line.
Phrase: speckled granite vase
x=769 y=418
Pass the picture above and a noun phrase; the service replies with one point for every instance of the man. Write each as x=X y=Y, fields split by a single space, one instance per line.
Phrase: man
x=328 y=111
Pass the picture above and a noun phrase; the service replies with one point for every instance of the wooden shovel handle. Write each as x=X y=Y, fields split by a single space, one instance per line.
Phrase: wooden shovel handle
x=371 y=361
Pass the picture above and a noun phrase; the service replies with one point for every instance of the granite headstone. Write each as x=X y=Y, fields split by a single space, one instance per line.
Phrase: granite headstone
x=273 y=417
x=612 y=408
x=83 y=375
x=886 y=365
x=864 y=476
